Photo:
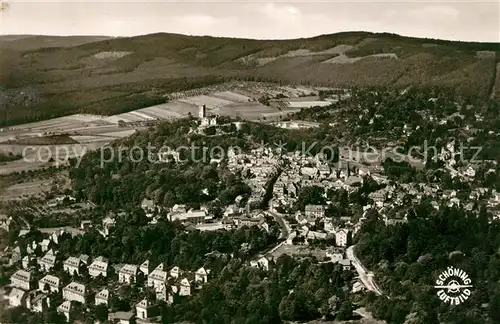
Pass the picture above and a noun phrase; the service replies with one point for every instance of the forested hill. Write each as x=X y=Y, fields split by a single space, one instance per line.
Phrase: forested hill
x=109 y=76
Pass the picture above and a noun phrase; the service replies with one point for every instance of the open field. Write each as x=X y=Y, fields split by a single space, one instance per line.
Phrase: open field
x=54 y=141
x=48 y=77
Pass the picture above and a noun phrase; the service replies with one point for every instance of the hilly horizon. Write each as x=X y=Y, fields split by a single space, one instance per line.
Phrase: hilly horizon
x=50 y=76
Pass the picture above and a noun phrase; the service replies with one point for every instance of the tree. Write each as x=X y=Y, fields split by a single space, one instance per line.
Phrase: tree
x=101 y=312
x=345 y=311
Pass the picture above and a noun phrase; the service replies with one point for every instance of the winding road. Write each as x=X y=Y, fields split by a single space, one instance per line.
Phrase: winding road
x=365 y=275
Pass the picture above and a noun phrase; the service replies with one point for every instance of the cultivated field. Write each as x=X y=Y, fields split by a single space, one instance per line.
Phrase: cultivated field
x=54 y=141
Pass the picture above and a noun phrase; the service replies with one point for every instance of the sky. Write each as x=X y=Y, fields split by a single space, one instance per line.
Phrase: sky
x=453 y=20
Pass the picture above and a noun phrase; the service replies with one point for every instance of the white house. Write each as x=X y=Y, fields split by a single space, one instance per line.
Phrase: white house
x=341 y=237
x=184 y=287
x=21 y=279
x=148 y=206
x=157 y=277
x=194 y=217
x=74 y=292
x=145 y=267
x=72 y=266
x=201 y=275
x=108 y=223
x=52 y=282
x=262 y=263
x=142 y=309
x=17 y=297
x=127 y=274
x=99 y=267
x=65 y=309
x=175 y=272
x=47 y=262
x=102 y=297
x=45 y=245
x=25 y=262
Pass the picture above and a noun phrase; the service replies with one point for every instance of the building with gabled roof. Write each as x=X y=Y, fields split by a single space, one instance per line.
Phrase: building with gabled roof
x=17 y=297
x=145 y=267
x=108 y=223
x=84 y=259
x=53 y=283
x=184 y=287
x=175 y=272
x=122 y=317
x=157 y=277
x=102 y=297
x=75 y=291
x=201 y=275
x=144 y=309
x=346 y=264
x=341 y=237
x=65 y=309
x=127 y=274
x=45 y=244
x=72 y=266
x=99 y=267
x=25 y=262
x=47 y=262
x=194 y=217
x=21 y=279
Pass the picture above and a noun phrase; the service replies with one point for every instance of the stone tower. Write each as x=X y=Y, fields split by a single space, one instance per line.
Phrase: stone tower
x=203 y=112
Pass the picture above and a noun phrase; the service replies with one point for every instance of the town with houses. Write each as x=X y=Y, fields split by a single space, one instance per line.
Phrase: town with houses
x=34 y=282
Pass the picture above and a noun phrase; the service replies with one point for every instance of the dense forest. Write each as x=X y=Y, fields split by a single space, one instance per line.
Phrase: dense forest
x=40 y=83
x=408 y=258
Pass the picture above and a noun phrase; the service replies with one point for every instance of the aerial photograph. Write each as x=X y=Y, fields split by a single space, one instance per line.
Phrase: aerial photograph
x=249 y=161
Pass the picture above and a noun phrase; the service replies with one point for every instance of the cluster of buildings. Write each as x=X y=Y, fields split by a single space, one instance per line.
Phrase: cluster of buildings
x=258 y=167
x=34 y=293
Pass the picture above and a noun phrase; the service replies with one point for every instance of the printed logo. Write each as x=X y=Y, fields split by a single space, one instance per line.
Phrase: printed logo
x=453 y=285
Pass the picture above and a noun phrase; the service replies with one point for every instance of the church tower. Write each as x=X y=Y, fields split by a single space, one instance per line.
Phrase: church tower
x=203 y=112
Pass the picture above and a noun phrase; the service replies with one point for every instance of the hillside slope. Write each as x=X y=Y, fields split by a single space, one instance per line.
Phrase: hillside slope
x=121 y=74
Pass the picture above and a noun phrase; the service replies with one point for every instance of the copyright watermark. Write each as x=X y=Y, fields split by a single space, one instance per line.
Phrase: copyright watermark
x=453 y=286
x=205 y=154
